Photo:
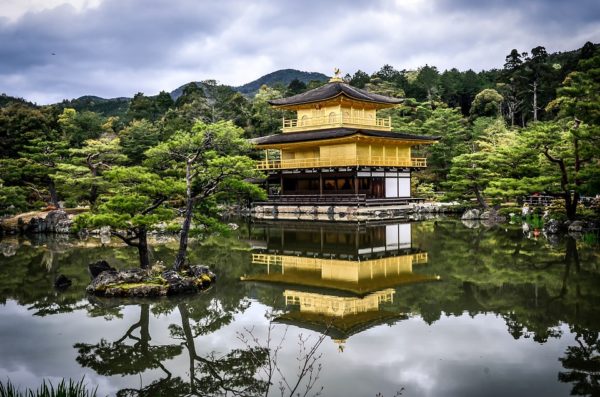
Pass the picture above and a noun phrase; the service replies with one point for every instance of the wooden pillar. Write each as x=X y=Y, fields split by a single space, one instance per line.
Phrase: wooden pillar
x=356 y=182
x=320 y=183
x=281 y=183
x=322 y=239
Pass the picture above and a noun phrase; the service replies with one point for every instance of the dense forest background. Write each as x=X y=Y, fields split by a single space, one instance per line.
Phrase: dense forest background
x=531 y=126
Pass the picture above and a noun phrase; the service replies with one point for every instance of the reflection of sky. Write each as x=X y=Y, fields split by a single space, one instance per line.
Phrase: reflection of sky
x=455 y=356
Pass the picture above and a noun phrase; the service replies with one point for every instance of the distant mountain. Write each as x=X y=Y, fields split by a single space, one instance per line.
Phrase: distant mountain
x=105 y=106
x=284 y=77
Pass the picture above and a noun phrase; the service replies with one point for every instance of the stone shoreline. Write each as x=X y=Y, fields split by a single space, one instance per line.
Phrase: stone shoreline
x=54 y=221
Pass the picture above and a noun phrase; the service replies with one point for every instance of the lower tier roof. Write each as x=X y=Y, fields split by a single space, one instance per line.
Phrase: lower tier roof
x=294 y=137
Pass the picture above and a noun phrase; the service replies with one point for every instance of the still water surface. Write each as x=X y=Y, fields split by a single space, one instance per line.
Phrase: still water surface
x=430 y=308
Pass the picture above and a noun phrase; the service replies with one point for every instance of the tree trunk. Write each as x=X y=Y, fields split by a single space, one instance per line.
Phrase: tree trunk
x=143 y=248
x=144 y=342
x=53 y=193
x=572 y=211
x=512 y=117
x=94 y=188
x=189 y=343
x=571 y=204
x=535 y=107
x=571 y=257
x=480 y=198
x=187 y=221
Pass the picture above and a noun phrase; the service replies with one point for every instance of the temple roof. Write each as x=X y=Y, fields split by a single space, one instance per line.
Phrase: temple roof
x=340 y=328
x=294 y=137
x=332 y=90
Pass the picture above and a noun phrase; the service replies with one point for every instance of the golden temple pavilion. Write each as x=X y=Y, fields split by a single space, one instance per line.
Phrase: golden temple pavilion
x=337 y=152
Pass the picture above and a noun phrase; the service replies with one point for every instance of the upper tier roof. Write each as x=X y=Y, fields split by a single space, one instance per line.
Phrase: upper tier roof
x=294 y=137
x=332 y=90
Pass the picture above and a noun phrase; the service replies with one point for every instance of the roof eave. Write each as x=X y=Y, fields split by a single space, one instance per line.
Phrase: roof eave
x=357 y=134
x=296 y=104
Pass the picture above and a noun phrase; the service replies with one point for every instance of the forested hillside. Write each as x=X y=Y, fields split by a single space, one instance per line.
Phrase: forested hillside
x=532 y=125
x=105 y=107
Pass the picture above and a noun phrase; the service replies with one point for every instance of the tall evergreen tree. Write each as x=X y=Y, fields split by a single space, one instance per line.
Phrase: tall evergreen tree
x=208 y=159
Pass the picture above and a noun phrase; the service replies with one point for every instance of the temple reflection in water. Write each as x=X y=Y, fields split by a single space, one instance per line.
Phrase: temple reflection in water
x=337 y=278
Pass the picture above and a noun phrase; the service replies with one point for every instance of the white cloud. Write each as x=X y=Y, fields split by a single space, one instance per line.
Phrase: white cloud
x=14 y=9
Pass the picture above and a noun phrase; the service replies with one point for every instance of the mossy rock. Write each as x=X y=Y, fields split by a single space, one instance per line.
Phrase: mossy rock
x=145 y=283
x=136 y=289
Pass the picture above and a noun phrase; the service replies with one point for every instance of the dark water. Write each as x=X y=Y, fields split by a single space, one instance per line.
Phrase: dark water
x=431 y=308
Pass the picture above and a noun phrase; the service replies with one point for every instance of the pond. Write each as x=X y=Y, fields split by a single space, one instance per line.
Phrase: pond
x=426 y=308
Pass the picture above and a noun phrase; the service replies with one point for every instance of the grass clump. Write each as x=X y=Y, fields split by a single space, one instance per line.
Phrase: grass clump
x=65 y=388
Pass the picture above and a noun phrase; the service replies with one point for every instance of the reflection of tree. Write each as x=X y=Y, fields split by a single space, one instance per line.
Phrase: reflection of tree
x=571 y=260
x=213 y=374
x=118 y=357
x=245 y=371
x=582 y=363
x=534 y=285
x=234 y=372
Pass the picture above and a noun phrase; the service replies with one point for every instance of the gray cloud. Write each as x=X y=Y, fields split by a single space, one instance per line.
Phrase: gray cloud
x=119 y=47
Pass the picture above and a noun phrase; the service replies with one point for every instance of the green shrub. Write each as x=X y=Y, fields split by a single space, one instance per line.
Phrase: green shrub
x=586 y=213
x=71 y=203
x=506 y=211
x=13 y=200
x=535 y=221
x=39 y=205
x=590 y=238
x=427 y=191
x=173 y=227
x=556 y=210
x=558 y=216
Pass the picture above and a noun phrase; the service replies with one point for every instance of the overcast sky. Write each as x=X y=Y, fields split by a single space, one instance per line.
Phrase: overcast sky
x=56 y=49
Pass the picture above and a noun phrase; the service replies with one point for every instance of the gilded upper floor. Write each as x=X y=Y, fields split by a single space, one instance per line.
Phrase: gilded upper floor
x=336 y=105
